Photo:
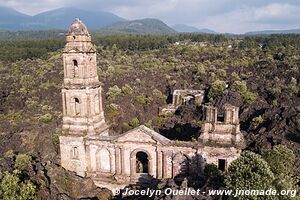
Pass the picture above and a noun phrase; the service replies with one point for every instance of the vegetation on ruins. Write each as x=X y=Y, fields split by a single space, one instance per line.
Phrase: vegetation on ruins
x=259 y=74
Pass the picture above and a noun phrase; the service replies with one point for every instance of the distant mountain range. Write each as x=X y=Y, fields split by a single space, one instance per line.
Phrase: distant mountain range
x=267 y=32
x=183 y=28
x=55 y=19
x=106 y=22
x=141 y=26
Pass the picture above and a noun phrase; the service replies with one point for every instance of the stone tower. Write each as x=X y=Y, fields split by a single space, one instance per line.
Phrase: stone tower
x=81 y=94
x=83 y=115
x=221 y=141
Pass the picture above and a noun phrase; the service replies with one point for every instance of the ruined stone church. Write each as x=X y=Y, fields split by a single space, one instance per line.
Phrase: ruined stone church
x=88 y=149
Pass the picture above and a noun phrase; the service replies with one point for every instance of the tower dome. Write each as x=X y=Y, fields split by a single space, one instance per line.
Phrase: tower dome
x=78 y=28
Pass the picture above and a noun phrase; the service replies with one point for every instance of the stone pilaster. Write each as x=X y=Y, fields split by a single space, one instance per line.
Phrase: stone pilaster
x=122 y=161
x=118 y=161
x=88 y=158
x=159 y=162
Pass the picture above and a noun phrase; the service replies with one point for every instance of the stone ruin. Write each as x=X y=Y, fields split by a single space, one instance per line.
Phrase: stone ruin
x=140 y=154
x=183 y=97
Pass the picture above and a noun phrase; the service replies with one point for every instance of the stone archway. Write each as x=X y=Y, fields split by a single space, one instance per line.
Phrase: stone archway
x=180 y=164
x=140 y=163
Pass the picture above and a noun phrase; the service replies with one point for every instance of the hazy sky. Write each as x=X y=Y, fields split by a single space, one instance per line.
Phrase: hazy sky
x=237 y=16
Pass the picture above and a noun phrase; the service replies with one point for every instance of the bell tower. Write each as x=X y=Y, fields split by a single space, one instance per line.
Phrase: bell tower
x=81 y=94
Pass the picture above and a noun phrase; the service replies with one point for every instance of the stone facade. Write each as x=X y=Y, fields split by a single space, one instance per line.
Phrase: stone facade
x=88 y=149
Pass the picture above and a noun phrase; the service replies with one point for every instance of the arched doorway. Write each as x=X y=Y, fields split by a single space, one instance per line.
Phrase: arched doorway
x=141 y=166
x=142 y=162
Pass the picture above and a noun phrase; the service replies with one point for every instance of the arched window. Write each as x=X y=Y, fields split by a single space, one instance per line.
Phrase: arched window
x=74 y=153
x=77 y=106
x=75 y=65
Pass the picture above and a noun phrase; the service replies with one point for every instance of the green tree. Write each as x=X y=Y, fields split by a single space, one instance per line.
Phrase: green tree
x=281 y=161
x=13 y=188
x=216 y=89
x=249 y=97
x=249 y=172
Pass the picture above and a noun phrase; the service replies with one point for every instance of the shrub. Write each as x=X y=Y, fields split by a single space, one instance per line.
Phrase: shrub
x=22 y=161
x=47 y=118
x=235 y=76
x=9 y=154
x=249 y=97
x=258 y=120
x=113 y=93
x=216 y=89
x=56 y=135
x=113 y=111
x=240 y=86
x=13 y=188
x=126 y=89
x=222 y=73
x=149 y=124
x=142 y=99
x=135 y=122
x=276 y=91
x=281 y=159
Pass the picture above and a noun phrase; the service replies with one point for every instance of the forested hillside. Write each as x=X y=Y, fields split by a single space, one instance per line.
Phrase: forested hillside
x=261 y=75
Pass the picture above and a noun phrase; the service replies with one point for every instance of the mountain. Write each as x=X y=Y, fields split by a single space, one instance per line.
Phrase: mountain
x=141 y=26
x=267 y=32
x=10 y=18
x=183 y=28
x=61 y=18
x=55 y=19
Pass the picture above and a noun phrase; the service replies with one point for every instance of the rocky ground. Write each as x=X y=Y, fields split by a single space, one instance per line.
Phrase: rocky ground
x=136 y=84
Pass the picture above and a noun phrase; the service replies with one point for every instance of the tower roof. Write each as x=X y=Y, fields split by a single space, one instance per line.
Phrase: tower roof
x=78 y=28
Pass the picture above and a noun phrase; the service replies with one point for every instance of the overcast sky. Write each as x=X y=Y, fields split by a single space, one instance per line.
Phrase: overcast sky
x=237 y=16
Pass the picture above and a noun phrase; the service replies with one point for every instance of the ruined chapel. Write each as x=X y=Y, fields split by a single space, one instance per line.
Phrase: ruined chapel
x=88 y=149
